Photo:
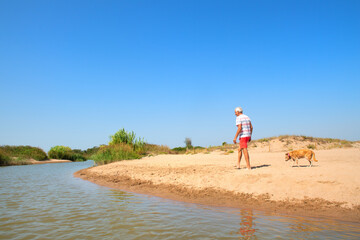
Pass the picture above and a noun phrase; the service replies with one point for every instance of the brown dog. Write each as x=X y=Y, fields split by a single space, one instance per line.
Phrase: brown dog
x=302 y=153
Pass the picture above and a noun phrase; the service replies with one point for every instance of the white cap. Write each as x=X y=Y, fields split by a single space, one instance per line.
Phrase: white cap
x=238 y=109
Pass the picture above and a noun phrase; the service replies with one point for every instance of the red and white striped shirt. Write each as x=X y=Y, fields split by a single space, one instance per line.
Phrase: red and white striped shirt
x=245 y=125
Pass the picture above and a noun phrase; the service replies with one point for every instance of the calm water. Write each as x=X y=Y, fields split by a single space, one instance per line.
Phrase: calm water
x=47 y=202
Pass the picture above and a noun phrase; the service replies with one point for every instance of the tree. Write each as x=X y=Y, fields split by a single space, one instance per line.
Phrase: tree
x=188 y=143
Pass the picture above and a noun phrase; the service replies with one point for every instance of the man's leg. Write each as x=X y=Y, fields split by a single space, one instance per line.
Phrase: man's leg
x=239 y=157
x=247 y=158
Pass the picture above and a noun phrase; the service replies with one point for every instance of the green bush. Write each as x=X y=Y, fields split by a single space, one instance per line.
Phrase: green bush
x=115 y=152
x=63 y=152
x=5 y=160
x=199 y=147
x=122 y=136
x=60 y=152
x=90 y=151
x=156 y=149
x=311 y=146
x=24 y=152
x=179 y=149
x=123 y=145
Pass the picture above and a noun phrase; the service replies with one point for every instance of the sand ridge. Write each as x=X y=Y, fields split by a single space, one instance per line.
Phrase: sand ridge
x=330 y=188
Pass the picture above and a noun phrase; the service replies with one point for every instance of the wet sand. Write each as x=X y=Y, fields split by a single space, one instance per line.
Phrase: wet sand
x=331 y=188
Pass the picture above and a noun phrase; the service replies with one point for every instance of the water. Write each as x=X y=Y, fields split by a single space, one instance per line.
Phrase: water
x=47 y=202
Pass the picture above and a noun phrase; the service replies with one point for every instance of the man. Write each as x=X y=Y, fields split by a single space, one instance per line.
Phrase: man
x=244 y=131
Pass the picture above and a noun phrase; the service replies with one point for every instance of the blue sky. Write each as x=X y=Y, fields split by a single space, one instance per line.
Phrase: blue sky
x=74 y=72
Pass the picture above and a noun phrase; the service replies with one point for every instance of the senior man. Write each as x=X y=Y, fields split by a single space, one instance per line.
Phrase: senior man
x=244 y=131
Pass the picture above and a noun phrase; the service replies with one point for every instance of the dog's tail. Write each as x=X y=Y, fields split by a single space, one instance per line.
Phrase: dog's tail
x=313 y=157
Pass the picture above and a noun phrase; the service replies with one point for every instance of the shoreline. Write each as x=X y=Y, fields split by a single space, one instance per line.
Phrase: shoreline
x=33 y=161
x=186 y=178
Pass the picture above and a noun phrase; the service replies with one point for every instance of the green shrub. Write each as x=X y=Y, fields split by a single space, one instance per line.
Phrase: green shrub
x=156 y=149
x=24 y=152
x=123 y=145
x=115 y=152
x=5 y=160
x=63 y=152
x=125 y=137
x=199 y=147
x=60 y=152
x=306 y=138
x=92 y=150
x=311 y=146
x=77 y=157
x=179 y=149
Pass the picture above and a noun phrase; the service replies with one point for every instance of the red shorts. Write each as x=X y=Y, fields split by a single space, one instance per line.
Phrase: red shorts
x=244 y=141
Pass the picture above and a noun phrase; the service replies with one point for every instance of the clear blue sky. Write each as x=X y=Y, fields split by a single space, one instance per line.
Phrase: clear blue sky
x=74 y=72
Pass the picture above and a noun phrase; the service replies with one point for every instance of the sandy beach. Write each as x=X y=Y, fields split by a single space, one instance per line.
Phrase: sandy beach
x=331 y=188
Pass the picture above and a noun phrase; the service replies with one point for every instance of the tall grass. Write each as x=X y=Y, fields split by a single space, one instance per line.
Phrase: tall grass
x=123 y=145
x=115 y=152
x=124 y=137
x=24 y=152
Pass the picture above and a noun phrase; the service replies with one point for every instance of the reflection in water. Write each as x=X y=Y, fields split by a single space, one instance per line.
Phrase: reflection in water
x=120 y=196
x=247 y=225
x=47 y=202
x=304 y=226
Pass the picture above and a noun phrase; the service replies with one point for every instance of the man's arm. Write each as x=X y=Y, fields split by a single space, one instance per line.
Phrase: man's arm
x=237 y=133
x=251 y=130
